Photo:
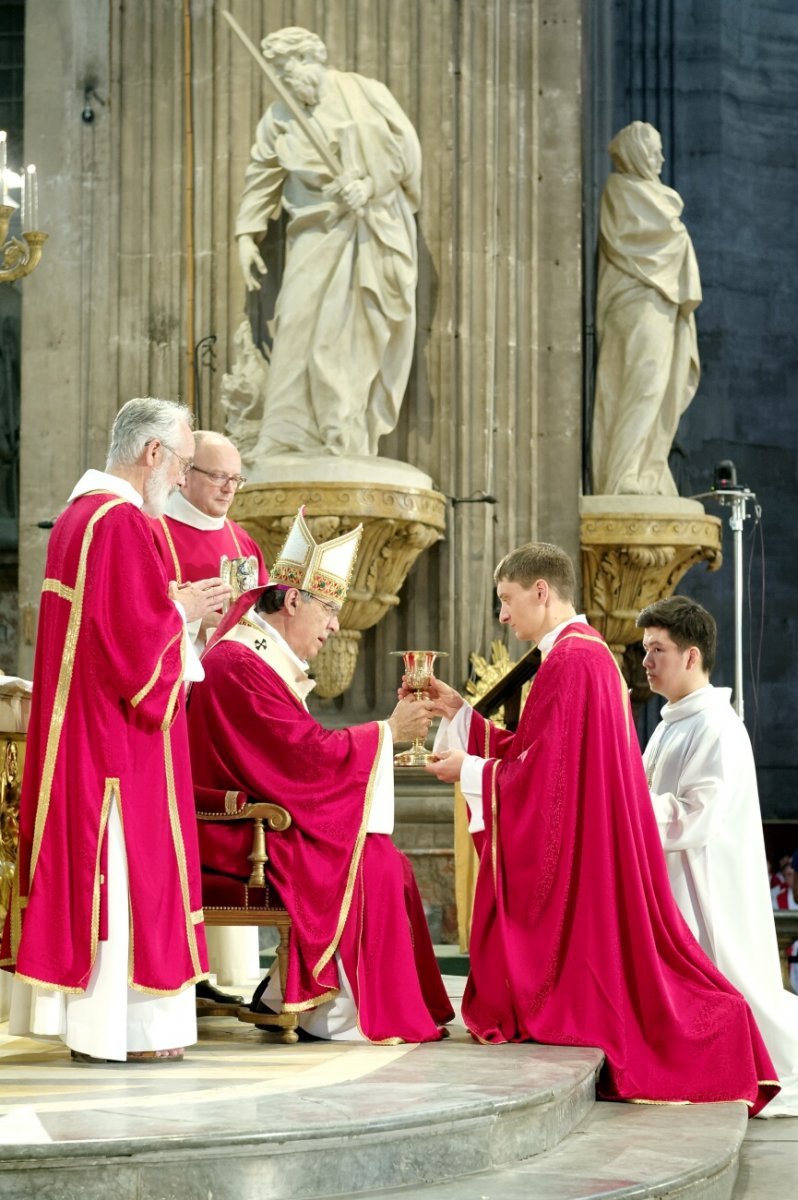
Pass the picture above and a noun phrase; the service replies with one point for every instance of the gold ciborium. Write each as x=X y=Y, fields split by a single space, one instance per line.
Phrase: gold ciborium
x=418 y=676
x=240 y=574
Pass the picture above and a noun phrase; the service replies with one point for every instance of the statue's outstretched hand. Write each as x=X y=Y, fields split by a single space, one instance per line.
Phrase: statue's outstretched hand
x=251 y=262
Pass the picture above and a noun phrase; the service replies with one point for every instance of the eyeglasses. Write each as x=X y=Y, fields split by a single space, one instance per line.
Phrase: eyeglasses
x=332 y=610
x=185 y=463
x=221 y=478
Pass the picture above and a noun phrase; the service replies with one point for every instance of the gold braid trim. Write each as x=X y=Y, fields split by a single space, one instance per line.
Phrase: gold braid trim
x=599 y=641
x=111 y=790
x=150 y=684
x=231 y=530
x=487 y=739
x=170 y=707
x=60 y=589
x=180 y=855
x=494 y=807
x=172 y=551
x=64 y=682
x=354 y=864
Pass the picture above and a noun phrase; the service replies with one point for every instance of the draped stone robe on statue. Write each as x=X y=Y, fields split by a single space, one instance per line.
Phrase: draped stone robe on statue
x=576 y=939
x=345 y=317
x=648 y=368
x=107 y=735
x=353 y=901
x=701 y=772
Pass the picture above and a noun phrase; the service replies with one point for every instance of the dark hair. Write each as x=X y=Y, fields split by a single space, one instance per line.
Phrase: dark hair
x=687 y=622
x=539 y=560
x=273 y=599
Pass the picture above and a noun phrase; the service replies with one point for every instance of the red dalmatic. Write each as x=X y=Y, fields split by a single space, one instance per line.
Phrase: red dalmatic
x=576 y=939
x=189 y=554
x=107 y=724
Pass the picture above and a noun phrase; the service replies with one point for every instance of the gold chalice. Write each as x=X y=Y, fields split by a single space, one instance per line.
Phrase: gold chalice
x=418 y=676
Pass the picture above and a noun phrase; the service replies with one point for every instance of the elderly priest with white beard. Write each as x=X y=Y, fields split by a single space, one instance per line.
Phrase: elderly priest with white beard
x=105 y=927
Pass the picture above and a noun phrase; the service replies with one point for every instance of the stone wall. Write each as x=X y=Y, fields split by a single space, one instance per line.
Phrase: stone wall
x=720 y=79
x=493 y=406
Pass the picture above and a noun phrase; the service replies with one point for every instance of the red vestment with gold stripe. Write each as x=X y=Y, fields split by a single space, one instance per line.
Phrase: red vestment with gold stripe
x=107 y=725
x=576 y=939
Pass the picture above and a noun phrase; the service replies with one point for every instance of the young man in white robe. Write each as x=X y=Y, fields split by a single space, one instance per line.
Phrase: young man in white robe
x=700 y=770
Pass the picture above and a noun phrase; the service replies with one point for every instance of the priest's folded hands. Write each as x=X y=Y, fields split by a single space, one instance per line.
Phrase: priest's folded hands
x=201 y=597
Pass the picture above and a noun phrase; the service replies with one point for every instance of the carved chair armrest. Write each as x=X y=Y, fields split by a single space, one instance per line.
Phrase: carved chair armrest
x=214 y=804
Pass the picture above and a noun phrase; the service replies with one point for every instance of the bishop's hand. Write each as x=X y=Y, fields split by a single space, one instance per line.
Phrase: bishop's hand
x=445 y=701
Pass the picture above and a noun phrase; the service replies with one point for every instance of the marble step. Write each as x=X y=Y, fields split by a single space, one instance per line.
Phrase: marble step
x=619 y=1150
x=413 y=1117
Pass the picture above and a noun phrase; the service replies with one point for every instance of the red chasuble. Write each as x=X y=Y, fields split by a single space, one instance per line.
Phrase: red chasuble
x=107 y=723
x=189 y=554
x=249 y=731
x=576 y=938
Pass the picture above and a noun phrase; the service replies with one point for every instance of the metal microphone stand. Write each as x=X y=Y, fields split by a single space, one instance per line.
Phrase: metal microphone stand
x=738 y=499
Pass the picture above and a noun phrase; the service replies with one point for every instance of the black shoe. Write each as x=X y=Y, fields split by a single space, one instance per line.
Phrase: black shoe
x=207 y=992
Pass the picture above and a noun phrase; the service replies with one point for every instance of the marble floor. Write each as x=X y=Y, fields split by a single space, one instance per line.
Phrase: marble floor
x=47 y=1098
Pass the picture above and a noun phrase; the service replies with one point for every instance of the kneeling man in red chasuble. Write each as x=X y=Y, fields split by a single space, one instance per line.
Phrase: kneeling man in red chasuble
x=576 y=939
x=361 y=963
x=105 y=927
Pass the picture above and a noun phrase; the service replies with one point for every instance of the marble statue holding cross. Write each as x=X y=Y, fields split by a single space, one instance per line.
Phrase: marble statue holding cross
x=336 y=154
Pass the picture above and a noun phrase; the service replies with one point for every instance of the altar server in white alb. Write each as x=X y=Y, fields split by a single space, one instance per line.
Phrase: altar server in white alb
x=700 y=770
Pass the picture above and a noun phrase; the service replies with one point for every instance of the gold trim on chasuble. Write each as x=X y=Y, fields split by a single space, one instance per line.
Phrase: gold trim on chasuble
x=182 y=867
x=232 y=532
x=599 y=641
x=172 y=551
x=64 y=683
x=150 y=684
x=60 y=589
x=354 y=866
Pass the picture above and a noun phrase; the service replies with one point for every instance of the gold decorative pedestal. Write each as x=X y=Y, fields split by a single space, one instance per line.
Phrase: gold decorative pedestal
x=399 y=523
x=12 y=760
x=635 y=549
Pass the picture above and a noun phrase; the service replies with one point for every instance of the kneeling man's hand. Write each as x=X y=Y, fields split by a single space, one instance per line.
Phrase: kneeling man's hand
x=447 y=765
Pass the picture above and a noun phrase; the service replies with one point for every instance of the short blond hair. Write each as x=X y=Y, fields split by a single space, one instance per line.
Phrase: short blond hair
x=539 y=560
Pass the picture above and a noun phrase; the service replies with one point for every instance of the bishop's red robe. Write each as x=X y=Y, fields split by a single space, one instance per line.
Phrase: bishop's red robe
x=346 y=891
x=107 y=724
x=189 y=554
x=576 y=938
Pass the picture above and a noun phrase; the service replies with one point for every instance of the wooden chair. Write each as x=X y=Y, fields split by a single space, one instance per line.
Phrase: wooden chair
x=231 y=836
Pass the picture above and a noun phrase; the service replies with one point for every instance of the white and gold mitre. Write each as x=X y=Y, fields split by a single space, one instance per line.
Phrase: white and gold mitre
x=324 y=569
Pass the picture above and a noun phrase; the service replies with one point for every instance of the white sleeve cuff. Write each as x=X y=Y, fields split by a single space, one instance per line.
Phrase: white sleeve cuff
x=381 y=817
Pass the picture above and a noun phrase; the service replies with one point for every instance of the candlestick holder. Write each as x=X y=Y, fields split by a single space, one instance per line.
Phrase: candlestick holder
x=19 y=257
x=418 y=676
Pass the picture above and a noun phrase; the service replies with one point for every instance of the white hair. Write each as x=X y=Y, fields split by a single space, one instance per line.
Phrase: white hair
x=141 y=421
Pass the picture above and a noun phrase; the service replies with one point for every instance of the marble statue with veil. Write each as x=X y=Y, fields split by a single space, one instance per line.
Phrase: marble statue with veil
x=648 y=289
x=339 y=346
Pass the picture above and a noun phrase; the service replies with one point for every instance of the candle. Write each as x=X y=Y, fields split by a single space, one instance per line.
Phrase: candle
x=3 y=162
x=32 y=195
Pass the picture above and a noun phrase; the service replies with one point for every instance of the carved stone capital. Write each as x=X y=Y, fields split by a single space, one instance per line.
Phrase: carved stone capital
x=398 y=524
x=630 y=559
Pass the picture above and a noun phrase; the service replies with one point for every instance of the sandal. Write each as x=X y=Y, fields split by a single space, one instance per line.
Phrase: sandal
x=159 y=1056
